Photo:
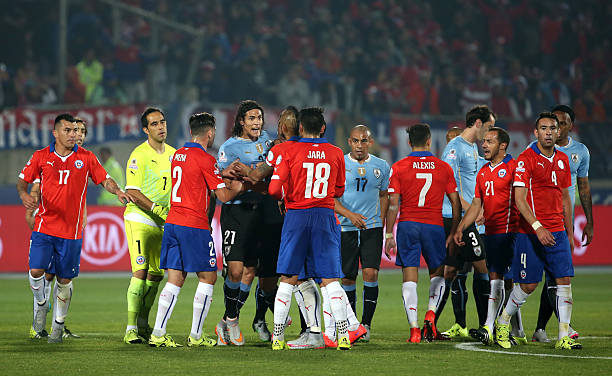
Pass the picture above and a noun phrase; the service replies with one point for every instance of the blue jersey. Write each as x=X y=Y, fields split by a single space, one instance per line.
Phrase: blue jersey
x=249 y=152
x=463 y=158
x=363 y=184
x=579 y=159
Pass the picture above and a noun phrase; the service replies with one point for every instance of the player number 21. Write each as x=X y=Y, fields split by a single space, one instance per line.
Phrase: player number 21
x=177 y=173
x=426 y=186
x=320 y=174
x=64 y=176
x=489 y=188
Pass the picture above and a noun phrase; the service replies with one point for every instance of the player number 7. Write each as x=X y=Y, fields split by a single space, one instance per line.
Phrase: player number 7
x=426 y=186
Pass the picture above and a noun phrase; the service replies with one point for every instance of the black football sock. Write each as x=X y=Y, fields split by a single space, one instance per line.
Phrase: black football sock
x=459 y=297
x=230 y=293
x=546 y=310
x=447 y=288
x=481 y=289
x=261 y=306
x=370 y=298
x=243 y=295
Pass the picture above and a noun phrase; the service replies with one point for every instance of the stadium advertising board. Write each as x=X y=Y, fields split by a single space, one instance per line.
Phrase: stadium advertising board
x=105 y=245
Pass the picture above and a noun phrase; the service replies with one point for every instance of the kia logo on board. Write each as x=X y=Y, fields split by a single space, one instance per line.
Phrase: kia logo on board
x=104 y=241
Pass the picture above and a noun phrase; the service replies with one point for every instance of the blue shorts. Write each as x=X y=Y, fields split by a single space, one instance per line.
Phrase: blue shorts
x=187 y=249
x=414 y=238
x=59 y=255
x=531 y=258
x=310 y=244
x=500 y=253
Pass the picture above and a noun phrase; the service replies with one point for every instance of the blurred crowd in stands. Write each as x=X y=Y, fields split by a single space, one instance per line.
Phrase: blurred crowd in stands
x=434 y=57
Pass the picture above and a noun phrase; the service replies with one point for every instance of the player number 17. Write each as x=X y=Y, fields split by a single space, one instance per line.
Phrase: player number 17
x=63 y=179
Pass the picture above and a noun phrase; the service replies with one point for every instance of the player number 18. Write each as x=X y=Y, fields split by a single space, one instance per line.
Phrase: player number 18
x=320 y=175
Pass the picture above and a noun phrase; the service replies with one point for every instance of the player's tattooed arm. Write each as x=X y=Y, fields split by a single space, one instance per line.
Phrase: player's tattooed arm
x=28 y=201
x=568 y=219
x=390 y=245
x=470 y=216
x=584 y=191
x=383 y=198
x=544 y=236
x=111 y=186
x=456 y=207
x=356 y=219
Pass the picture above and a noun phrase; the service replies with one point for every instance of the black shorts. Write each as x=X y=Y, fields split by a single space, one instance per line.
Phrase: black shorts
x=361 y=245
x=268 y=250
x=473 y=250
x=241 y=229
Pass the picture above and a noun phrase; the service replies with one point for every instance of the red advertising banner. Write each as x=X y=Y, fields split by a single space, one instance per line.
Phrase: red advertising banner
x=105 y=245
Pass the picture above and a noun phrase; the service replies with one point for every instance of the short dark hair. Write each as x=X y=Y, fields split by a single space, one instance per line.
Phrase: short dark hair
x=201 y=122
x=60 y=117
x=502 y=136
x=79 y=120
x=565 y=108
x=418 y=134
x=143 y=118
x=546 y=115
x=312 y=120
x=479 y=112
x=244 y=107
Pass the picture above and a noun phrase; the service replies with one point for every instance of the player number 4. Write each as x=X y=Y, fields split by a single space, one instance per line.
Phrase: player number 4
x=320 y=175
x=426 y=186
x=524 y=260
x=63 y=179
x=177 y=174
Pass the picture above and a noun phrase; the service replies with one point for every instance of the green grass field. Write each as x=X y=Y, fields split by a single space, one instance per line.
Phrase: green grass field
x=98 y=314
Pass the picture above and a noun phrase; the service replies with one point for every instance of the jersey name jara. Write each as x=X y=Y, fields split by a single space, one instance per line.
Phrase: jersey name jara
x=316 y=154
x=424 y=165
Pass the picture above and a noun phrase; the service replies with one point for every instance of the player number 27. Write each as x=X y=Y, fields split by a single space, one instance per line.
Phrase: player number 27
x=177 y=173
x=426 y=186
x=316 y=179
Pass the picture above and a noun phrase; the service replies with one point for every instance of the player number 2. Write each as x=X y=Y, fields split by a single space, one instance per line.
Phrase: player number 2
x=553 y=176
x=320 y=173
x=177 y=173
x=425 y=189
x=489 y=188
x=64 y=176
x=211 y=249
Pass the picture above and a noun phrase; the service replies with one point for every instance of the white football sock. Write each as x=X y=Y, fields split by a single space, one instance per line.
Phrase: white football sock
x=515 y=301
x=48 y=289
x=282 y=303
x=410 y=297
x=328 y=318
x=496 y=300
x=54 y=296
x=564 y=307
x=353 y=323
x=201 y=303
x=299 y=299
x=165 y=306
x=517 y=324
x=337 y=303
x=308 y=292
x=37 y=285
x=436 y=290
x=62 y=302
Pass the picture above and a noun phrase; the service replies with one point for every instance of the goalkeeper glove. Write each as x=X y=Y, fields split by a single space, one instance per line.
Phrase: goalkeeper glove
x=160 y=211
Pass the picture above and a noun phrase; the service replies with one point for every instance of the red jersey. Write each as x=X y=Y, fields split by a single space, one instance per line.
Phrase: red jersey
x=194 y=174
x=63 y=188
x=545 y=178
x=312 y=173
x=278 y=149
x=421 y=180
x=494 y=188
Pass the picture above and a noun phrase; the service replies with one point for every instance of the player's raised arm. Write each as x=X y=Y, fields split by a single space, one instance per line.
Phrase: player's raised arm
x=111 y=186
x=229 y=192
x=281 y=173
x=356 y=219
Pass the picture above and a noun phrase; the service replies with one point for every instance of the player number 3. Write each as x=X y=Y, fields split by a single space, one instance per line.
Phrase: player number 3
x=320 y=173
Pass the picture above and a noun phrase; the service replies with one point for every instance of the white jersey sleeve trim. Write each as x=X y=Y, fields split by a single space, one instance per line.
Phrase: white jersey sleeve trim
x=518 y=184
x=132 y=187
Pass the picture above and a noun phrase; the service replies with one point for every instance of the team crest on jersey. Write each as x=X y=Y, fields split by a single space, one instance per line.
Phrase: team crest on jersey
x=560 y=163
x=216 y=171
x=140 y=260
x=376 y=173
x=133 y=165
x=212 y=262
x=501 y=173
x=361 y=171
x=452 y=154
x=574 y=157
x=523 y=274
x=477 y=251
x=259 y=148
x=78 y=164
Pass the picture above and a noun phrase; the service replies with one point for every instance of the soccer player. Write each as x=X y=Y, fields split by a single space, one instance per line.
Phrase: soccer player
x=149 y=182
x=63 y=168
x=187 y=245
x=362 y=210
x=494 y=195
x=461 y=153
x=309 y=176
x=244 y=238
x=452 y=133
x=420 y=182
x=31 y=218
x=579 y=158
x=541 y=183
